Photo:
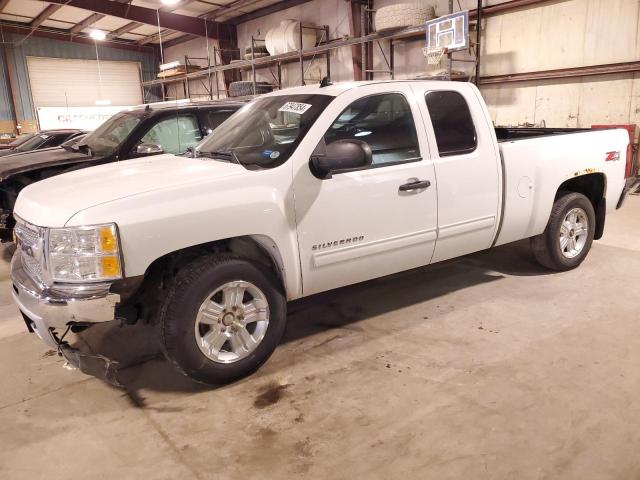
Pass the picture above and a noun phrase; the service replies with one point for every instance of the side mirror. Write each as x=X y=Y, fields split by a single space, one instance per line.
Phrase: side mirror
x=340 y=156
x=146 y=149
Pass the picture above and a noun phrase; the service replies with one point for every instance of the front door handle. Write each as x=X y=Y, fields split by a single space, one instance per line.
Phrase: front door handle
x=415 y=185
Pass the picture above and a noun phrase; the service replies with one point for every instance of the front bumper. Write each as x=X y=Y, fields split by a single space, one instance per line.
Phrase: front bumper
x=46 y=309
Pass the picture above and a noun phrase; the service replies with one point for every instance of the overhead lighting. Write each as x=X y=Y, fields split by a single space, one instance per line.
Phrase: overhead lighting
x=170 y=2
x=98 y=35
x=103 y=102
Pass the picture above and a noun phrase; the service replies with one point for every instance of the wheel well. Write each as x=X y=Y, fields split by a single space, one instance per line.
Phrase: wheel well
x=140 y=297
x=592 y=186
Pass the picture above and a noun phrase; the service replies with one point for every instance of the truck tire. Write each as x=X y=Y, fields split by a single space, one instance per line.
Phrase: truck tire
x=403 y=15
x=222 y=318
x=245 y=88
x=567 y=239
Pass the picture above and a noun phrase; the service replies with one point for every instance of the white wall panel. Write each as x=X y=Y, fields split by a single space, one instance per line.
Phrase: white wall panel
x=569 y=33
x=606 y=99
x=557 y=103
x=611 y=31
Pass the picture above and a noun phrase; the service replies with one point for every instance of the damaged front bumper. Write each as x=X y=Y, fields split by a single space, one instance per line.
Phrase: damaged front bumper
x=48 y=312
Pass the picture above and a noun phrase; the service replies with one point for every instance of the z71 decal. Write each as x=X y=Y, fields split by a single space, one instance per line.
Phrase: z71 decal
x=612 y=156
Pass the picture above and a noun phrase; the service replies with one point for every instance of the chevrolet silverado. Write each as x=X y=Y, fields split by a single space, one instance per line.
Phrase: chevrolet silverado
x=301 y=191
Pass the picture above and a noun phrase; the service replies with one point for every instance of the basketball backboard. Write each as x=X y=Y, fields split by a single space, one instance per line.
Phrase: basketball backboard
x=450 y=32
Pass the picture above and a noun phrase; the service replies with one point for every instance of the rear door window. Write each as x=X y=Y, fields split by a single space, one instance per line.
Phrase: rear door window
x=452 y=123
x=174 y=134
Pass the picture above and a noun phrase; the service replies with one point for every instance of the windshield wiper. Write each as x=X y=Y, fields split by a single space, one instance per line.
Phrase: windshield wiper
x=227 y=155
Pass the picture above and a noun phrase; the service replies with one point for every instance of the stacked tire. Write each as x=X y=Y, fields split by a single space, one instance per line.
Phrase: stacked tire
x=245 y=88
x=402 y=15
x=259 y=51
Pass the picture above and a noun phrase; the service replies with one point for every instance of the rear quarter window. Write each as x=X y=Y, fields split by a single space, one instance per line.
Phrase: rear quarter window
x=452 y=123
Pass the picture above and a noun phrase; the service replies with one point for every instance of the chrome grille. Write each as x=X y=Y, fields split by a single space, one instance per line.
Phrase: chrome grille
x=30 y=242
x=28 y=234
x=32 y=266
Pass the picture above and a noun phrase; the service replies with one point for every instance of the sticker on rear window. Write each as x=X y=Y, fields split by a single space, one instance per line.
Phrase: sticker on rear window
x=295 y=107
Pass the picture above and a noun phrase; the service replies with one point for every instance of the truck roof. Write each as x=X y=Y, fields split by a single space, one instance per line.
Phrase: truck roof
x=187 y=104
x=338 y=88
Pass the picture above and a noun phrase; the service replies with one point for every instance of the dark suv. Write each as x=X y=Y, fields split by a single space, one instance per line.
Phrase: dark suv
x=133 y=133
x=40 y=140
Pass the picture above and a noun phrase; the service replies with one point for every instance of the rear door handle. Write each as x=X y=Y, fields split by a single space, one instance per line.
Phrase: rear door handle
x=415 y=185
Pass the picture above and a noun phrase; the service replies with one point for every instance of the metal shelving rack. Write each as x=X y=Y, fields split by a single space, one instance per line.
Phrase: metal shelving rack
x=324 y=48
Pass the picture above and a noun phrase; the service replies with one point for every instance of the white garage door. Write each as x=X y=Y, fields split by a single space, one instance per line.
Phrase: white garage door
x=61 y=82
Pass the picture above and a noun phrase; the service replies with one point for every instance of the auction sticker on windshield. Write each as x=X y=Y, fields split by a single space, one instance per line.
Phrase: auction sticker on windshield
x=295 y=107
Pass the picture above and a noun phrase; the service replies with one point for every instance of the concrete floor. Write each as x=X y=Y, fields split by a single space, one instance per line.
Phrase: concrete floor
x=483 y=368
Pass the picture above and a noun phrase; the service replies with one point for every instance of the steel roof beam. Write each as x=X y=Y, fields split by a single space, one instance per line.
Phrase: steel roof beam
x=149 y=16
x=44 y=15
x=124 y=29
x=90 y=20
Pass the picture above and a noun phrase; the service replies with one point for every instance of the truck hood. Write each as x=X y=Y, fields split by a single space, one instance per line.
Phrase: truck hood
x=52 y=202
x=17 y=162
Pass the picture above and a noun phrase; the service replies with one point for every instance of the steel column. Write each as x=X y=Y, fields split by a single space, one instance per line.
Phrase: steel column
x=478 y=41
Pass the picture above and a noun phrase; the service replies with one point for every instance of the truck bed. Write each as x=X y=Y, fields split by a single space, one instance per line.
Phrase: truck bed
x=508 y=134
x=534 y=169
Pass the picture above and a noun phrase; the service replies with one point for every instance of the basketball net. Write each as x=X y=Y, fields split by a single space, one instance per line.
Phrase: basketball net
x=434 y=54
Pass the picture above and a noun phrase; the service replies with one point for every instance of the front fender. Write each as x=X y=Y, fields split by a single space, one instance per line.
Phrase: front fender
x=157 y=223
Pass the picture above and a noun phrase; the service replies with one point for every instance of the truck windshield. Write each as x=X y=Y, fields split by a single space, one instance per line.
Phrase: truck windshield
x=104 y=139
x=264 y=133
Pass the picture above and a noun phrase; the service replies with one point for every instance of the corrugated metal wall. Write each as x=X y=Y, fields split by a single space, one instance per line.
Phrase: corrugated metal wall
x=6 y=109
x=18 y=52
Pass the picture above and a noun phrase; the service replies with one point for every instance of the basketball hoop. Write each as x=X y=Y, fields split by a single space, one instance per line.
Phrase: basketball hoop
x=445 y=35
x=434 y=55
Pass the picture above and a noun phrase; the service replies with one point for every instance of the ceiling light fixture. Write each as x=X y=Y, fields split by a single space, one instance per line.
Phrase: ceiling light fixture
x=170 y=2
x=98 y=35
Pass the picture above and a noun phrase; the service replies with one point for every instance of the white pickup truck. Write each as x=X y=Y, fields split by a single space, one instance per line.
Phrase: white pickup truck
x=301 y=191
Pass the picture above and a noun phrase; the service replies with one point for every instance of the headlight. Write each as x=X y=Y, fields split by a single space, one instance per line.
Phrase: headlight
x=78 y=254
